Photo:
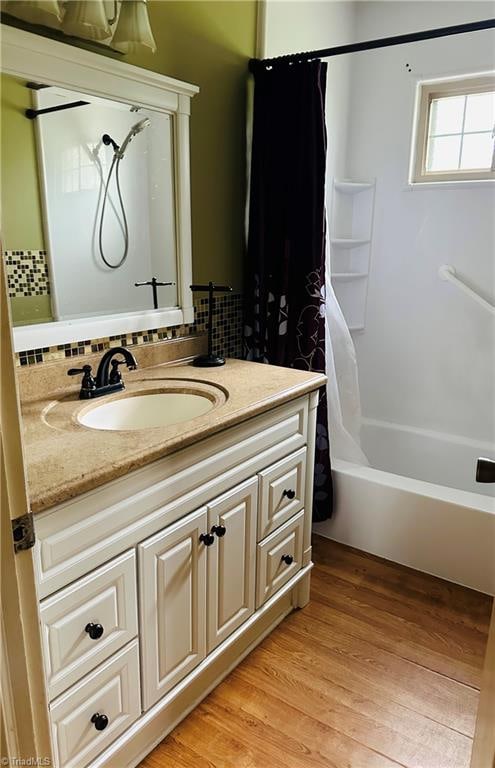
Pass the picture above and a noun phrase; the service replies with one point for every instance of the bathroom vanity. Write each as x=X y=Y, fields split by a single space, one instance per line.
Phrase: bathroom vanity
x=164 y=555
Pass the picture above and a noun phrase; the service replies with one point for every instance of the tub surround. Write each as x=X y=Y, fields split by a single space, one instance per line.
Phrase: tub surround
x=94 y=457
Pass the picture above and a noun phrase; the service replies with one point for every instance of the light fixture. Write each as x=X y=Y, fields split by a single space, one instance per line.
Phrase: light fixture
x=128 y=30
x=133 y=28
x=44 y=12
x=86 y=19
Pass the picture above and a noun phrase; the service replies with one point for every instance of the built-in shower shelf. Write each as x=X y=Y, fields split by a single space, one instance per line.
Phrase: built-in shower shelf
x=349 y=275
x=351 y=217
x=348 y=242
x=353 y=187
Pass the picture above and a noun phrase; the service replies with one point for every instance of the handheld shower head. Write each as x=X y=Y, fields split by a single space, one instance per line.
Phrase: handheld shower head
x=136 y=128
x=140 y=126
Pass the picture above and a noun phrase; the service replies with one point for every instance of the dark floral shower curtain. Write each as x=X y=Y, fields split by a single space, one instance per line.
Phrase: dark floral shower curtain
x=285 y=281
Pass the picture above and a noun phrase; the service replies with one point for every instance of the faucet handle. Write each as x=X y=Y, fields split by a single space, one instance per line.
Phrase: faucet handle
x=88 y=384
x=115 y=375
x=86 y=369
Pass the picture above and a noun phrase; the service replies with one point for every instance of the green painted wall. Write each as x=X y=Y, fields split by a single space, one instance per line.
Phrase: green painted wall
x=21 y=220
x=204 y=42
x=209 y=44
x=21 y=210
x=27 y=310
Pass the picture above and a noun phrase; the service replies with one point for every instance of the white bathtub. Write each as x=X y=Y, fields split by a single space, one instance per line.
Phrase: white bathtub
x=418 y=504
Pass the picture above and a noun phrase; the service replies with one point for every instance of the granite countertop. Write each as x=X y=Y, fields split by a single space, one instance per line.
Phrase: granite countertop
x=65 y=459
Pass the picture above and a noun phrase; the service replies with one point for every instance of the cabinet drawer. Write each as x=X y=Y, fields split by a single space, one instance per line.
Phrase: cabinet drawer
x=111 y=691
x=281 y=492
x=88 y=621
x=272 y=569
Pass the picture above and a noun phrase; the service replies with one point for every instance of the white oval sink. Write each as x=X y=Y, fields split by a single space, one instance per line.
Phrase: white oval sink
x=144 y=411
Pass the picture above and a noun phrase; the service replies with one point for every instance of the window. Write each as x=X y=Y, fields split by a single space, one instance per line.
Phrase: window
x=455 y=131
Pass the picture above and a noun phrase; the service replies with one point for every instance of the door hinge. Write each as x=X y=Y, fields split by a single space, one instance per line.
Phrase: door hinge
x=23 y=532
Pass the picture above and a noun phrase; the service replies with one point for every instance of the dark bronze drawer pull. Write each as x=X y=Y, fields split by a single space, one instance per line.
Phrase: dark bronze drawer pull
x=95 y=631
x=287 y=559
x=289 y=493
x=100 y=721
x=220 y=530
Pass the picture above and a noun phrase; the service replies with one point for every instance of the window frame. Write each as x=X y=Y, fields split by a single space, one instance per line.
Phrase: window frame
x=427 y=92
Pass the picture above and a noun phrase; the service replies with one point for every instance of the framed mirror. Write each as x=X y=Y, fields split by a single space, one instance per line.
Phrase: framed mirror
x=112 y=169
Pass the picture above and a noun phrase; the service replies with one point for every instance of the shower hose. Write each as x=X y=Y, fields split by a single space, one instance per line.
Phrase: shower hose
x=115 y=164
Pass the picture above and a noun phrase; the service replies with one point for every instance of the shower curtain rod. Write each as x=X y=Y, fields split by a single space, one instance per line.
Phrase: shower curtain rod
x=383 y=42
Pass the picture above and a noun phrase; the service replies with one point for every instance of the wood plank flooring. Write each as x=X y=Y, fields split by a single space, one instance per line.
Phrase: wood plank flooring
x=381 y=669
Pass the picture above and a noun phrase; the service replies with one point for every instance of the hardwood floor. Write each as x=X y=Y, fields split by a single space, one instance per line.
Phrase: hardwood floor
x=381 y=669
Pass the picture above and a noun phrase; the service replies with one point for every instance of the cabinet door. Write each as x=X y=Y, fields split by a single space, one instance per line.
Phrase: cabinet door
x=172 y=587
x=231 y=560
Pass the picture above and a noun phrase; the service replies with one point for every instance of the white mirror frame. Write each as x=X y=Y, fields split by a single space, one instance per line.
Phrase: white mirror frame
x=40 y=59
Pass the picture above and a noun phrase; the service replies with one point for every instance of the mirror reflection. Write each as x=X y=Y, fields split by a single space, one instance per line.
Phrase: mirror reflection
x=101 y=174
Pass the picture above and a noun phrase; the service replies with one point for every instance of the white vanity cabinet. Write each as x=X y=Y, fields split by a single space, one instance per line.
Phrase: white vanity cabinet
x=154 y=586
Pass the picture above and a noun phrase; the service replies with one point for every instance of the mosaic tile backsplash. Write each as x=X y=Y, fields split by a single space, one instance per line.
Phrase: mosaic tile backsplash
x=227 y=333
x=27 y=273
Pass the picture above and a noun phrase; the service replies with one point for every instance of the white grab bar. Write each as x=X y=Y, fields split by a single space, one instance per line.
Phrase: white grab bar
x=447 y=272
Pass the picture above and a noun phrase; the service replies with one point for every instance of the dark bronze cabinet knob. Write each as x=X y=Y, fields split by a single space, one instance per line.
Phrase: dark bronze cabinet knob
x=100 y=722
x=219 y=530
x=95 y=631
x=207 y=539
x=289 y=493
x=287 y=559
